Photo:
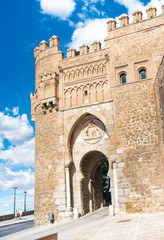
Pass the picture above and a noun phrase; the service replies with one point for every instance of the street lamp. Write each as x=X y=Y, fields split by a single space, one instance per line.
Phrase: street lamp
x=15 y=188
x=25 y=193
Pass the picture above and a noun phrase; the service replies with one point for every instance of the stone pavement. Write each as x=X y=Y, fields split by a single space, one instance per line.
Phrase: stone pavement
x=99 y=225
x=131 y=227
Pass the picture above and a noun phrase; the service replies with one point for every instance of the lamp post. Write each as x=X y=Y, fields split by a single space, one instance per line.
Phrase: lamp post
x=25 y=193
x=15 y=188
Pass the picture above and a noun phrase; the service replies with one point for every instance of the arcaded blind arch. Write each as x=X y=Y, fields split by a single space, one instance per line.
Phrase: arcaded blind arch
x=105 y=91
x=96 y=92
x=67 y=99
x=79 y=96
x=73 y=97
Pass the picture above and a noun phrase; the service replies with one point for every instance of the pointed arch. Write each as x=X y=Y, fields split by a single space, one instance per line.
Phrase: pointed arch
x=64 y=77
x=105 y=91
x=67 y=99
x=68 y=76
x=86 y=71
x=98 y=92
x=85 y=95
x=96 y=69
x=82 y=72
x=92 y=69
x=77 y=73
x=92 y=97
x=79 y=96
x=73 y=97
x=73 y=74
x=78 y=117
x=103 y=68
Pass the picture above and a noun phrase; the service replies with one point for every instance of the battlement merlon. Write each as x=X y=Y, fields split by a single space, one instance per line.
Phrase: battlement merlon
x=54 y=48
x=137 y=17
x=43 y=49
x=138 y=24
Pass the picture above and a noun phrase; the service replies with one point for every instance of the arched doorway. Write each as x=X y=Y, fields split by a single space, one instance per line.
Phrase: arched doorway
x=89 y=144
x=95 y=184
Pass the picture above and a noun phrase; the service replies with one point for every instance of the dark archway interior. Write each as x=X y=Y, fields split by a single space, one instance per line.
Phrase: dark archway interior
x=92 y=185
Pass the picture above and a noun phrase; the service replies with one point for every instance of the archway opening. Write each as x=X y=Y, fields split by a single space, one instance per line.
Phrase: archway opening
x=95 y=185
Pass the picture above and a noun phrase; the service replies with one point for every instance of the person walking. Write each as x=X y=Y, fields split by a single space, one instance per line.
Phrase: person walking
x=20 y=213
x=16 y=214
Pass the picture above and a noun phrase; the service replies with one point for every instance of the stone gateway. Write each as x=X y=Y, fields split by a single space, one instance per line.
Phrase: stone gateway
x=101 y=108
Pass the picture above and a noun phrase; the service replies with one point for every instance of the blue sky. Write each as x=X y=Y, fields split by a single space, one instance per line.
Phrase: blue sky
x=23 y=25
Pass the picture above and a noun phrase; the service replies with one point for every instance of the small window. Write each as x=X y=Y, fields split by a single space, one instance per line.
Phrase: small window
x=86 y=96
x=142 y=74
x=123 y=78
x=86 y=93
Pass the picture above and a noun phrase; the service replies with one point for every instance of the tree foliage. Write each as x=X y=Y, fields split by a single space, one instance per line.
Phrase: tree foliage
x=106 y=181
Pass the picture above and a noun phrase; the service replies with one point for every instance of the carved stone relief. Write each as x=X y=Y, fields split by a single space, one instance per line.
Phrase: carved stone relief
x=92 y=131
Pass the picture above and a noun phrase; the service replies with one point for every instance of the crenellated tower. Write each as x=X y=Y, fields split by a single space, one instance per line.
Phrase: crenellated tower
x=97 y=107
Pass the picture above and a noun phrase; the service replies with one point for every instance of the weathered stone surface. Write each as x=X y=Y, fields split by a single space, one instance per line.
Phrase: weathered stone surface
x=85 y=116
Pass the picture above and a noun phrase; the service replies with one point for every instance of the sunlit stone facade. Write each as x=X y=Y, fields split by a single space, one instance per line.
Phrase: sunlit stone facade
x=98 y=106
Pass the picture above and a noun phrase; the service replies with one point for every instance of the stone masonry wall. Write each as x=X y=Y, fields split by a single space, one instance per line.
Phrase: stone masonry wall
x=89 y=83
x=136 y=127
x=159 y=94
x=49 y=168
x=136 y=46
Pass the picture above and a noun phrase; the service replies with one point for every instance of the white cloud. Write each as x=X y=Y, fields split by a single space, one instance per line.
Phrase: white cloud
x=90 y=8
x=15 y=129
x=15 y=111
x=18 y=131
x=1 y=142
x=58 y=8
x=7 y=109
x=24 y=180
x=94 y=9
x=21 y=155
x=89 y=2
x=8 y=178
x=81 y=15
x=18 y=152
x=88 y=32
x=133 y=5
x=30 y=191
x=6 y=206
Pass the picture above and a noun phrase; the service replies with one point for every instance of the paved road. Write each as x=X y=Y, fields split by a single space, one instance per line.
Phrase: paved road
x=64 y=228
x=14 y=228
x=99 y=226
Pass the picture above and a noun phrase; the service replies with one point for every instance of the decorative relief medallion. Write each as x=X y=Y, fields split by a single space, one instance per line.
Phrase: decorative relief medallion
x=92 y=131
